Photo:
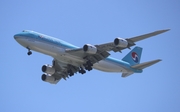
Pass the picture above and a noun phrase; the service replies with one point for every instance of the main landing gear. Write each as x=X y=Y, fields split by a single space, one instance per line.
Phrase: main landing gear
x=29 y=51
x=82 y=71
x=70 y=72
x=88 y=65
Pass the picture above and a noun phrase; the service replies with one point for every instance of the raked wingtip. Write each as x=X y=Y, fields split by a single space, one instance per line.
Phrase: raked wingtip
x=166 y=30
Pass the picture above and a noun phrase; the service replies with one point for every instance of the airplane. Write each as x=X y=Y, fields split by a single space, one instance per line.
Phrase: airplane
x=69 y=59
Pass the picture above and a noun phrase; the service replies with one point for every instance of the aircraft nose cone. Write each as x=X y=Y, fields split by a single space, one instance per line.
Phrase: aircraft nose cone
x=22 y=38
x=18 y=36
x=15 y=36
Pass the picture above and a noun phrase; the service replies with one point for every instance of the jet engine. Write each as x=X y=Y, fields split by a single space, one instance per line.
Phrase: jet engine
x=90 y=49
x=120 y=42
x=48 y=69
x=49 y=79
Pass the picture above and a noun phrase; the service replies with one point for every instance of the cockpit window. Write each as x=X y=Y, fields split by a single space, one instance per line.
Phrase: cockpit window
x=27 y=31
x=24 y=31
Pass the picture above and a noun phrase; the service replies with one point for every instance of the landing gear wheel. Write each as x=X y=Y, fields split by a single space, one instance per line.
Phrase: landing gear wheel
x=82 y=71
x=89 y=68
x=70 y=72
x=29 y=53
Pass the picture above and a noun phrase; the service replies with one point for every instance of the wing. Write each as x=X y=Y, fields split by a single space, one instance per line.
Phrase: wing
x=131 y=41
x=62 y=71
x=103 y=49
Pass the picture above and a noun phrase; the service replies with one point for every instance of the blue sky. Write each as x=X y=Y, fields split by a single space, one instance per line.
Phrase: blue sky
x=94 y=22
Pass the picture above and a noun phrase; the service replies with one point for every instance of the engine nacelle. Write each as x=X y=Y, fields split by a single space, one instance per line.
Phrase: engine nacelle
x=48 y=69
x=49 y=79
x=120 y=42
x=90 y=49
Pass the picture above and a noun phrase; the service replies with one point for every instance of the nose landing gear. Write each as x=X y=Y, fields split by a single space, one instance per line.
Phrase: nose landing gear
x=29 y=51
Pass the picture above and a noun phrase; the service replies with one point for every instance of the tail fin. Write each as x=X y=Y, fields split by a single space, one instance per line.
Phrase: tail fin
x=134 y=56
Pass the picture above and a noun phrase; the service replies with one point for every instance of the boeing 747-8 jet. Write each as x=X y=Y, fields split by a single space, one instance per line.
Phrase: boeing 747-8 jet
x=69 y=59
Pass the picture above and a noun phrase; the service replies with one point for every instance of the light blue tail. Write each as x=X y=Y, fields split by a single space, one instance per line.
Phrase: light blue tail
x=134 y=56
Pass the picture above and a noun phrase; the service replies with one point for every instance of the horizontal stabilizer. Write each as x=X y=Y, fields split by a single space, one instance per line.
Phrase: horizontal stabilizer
x=145 y=64
x=126 y=74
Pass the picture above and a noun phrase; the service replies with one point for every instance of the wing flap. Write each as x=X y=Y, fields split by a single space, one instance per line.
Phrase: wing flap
x=61 y=70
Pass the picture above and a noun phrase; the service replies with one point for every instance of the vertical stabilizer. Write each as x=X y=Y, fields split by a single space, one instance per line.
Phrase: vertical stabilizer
x=134 y=56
